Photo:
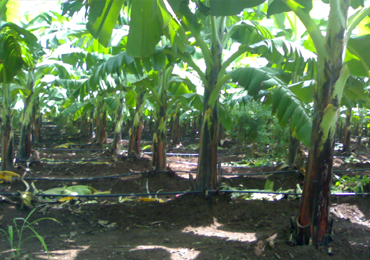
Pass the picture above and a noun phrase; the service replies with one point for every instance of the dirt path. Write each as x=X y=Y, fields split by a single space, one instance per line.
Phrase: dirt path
x=184 y=227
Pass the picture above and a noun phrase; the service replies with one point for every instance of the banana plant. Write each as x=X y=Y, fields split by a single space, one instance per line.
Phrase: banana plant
x=313 y=225
x=150 y=20
x=139 y=96
x=55 y=33
x=130 y=93
x=166 y=91
x=126 y=72
x=118 y=114
x=85 y=101
x=288 y=63
x=295 y=63
x=160 y=116
x=218 y=35
x=24 y=151
x=19 y=50
x=94 y=91
x=34 y=87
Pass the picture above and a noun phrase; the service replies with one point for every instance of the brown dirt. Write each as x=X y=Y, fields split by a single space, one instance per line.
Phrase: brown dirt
x=184 y=227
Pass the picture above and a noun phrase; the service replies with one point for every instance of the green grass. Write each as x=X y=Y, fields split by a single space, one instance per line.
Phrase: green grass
x=15 y=244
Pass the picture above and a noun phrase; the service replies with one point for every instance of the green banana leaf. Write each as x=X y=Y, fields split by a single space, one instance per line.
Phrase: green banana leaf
x=289 y=55
x=354 y=91
x=231 y=7
x=285 y=104
x=359 y=47
x=103 y=16
x=278 y=6
x=247 y=32
x=18 y=49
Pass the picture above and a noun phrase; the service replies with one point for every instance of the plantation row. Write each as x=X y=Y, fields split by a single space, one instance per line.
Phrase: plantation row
x=170 y=69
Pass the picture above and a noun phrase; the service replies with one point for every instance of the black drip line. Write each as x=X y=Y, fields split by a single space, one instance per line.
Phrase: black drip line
x=96 y=178
x=235 y=166
x=155 y=172
x=72 y=150
x=262 y=173
x=178 y=193
x=193 y=154
x=144 y=152
x=77 y=160
x=83 y=179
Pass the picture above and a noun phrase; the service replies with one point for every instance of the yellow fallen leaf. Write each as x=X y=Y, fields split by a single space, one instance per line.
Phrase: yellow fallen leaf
x=124 y=199
x=101 y=192
x=8 y=176
x=66 y=145
x=148 y=200
x=145 y=199
x=65 y=199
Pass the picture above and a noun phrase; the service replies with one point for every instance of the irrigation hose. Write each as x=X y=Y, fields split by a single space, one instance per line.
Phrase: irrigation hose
x=80 y=160
x=70 y=150
x=147 y=172
x=82 y=179
x=178 y=193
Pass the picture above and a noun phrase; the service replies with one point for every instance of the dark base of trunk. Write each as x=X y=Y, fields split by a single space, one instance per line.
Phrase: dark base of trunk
x=7 y=158
x=207 y=163
x=347 y=134
x=135 y=141
x=293 y=150
x=159 y=154
x=302 y=235
x=25 y=143
x=6 y=144
x=102 y=134
x=36 y=129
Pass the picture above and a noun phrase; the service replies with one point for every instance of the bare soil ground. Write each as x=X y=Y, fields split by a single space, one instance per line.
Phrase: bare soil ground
x=189 y=226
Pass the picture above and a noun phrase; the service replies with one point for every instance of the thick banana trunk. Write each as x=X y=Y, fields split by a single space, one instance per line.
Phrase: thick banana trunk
x=313 y=225
x=159 y=146
x=207 y=162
